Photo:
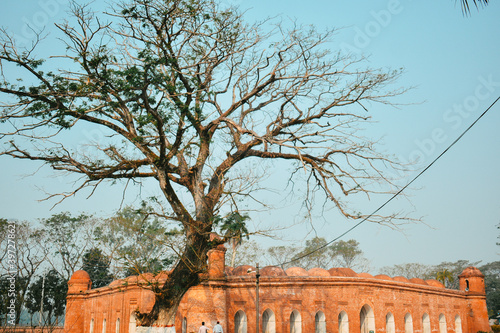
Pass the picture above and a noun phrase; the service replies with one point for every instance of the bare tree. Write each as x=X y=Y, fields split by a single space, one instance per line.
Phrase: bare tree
x=466 y=8
x=184 y=92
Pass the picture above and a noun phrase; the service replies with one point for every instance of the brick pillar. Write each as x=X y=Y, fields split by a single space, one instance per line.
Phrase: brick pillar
x=74 y=321
x=472 y=284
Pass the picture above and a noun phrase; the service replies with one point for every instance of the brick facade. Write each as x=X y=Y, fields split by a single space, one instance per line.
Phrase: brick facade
x=336 y=300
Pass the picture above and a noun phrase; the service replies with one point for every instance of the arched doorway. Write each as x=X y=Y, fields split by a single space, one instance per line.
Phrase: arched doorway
x=320 y=322
x=240 y=322
x=131 y=323
x=367 y=319
x=458 y=324
x=408 y=323
x=343 y=322
x=295 y=322
x=268 y=322
x=390 y=326
x=442 y=323
x=426 y=323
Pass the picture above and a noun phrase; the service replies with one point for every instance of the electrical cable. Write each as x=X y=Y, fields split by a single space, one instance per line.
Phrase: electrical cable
x=395 y=194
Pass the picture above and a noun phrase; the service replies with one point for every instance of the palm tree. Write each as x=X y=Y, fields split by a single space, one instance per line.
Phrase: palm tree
x=444 y=276
x=466 y=7
x=234 y=229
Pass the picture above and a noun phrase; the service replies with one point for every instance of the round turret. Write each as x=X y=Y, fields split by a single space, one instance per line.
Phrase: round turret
x=472 y=280
x=79 y=282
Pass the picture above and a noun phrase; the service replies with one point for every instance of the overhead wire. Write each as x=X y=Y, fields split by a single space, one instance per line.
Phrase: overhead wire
x=395 y=194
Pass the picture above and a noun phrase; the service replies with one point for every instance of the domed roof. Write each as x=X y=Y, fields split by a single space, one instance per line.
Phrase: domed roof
x=80 y=275
x=342 y=271
x=116 y=283
x=228 y=270
x=272 y=271
x=400 y=279
x=316 y=271
x=418 y=281
x=243 y=270
x=471 y=272
x=365 y=275
x=296 y=271
x=434 y=283
x=383 y=277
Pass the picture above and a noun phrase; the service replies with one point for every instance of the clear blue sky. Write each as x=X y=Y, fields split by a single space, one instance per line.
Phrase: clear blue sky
x=452 y=63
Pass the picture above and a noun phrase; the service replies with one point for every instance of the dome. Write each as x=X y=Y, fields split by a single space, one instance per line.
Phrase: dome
x=318 y=272
x=434 y=283
x=342 y=271
x=229 y=270
x=272 y=271
x=243 y=270
x=400 y=279
x=80 y=275
x=296 y=271
x=418 y=281
x=116 y=283
x=383 y=277
x=471 y=272
x=365 y=275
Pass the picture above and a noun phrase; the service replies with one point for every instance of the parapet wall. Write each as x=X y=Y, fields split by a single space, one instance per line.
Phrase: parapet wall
x=295 y=300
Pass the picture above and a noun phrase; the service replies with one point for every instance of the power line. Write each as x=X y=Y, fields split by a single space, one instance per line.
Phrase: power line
x=397 y=193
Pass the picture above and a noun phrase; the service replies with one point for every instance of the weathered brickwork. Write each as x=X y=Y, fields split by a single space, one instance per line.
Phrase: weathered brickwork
x=295 y=300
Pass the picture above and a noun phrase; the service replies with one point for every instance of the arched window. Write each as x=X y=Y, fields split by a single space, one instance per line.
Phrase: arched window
x=104 y=326
x=240 y=322
x=442 y=323
x=343 y=322
x=268 y=322
x=426 y=323
x=320 y=322
x=390 y=327
x=295 y=322
x=131 y=323
x=117 y=328
x=367 y=319
x=92 y=325
x=184 y=325
x=408 y=323
x=458 y=324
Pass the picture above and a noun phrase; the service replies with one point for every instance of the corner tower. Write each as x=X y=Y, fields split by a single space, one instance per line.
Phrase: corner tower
x=472 y=284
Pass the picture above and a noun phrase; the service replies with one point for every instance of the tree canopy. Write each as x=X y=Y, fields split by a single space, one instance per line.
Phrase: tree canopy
x=185 y=93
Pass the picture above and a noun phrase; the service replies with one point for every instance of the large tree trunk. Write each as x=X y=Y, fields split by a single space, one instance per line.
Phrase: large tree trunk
x=188 y=272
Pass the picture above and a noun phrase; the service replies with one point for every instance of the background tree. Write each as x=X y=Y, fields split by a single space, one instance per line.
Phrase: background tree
x=66 y=239
x=25 y=264
x=445 y=277
x=249 y=253
x=54 y=289
x=348 y=254
x=313 y=254
x=491 y=273
x=136 y=242
x=97 y=265
x=184 y=93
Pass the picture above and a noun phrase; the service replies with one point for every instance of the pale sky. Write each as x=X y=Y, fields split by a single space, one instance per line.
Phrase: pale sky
x=451 y=61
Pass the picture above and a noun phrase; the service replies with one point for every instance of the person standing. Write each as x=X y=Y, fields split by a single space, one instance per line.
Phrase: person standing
x=218 y=328
x=203 y=328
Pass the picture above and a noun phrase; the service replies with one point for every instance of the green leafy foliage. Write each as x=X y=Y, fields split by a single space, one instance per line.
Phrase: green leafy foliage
x=97 y=265
x=54 y=289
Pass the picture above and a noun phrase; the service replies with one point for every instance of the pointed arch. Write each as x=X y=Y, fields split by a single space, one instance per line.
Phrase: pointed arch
x=390 y=326
x=240 y=322
x=184 y=325
x=295 y=322
x=132 y=323
x=268 y=322
x=367 y=319
x=442 y=323
x=458 y=324
x=426 y=323
x=320 y=322
x=92 y=325
x=408 y=323
x=343 y=322
x=104 y=325
x=117 y=327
